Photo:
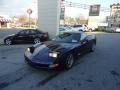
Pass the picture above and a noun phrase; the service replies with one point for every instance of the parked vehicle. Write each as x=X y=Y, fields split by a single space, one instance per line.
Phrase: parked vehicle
x=80 y=28
x=65 y=29
x=61 y=51
x=113 y=29
x=117 y=30
x=27 y=36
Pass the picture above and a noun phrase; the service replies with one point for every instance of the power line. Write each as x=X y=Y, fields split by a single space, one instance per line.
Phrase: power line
x=82 y=6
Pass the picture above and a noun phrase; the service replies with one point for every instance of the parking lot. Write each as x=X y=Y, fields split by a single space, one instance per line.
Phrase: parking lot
x=99 y=70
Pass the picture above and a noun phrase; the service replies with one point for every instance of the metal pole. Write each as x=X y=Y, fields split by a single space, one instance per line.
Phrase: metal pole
x=29 y=20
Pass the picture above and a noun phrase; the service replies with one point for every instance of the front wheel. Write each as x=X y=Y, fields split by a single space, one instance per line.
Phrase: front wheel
x=8 y=42
x=36 y=40
x=69 y=61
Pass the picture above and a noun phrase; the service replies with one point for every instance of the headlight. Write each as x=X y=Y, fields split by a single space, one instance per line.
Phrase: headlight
x=53 y=54
x=28 y=49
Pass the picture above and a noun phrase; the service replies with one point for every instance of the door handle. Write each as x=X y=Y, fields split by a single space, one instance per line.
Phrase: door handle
x=83 y=42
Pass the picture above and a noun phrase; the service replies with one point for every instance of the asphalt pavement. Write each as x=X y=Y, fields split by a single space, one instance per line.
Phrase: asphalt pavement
x=99 y=70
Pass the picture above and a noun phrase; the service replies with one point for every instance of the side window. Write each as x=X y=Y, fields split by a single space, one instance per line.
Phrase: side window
x=32 y=32
x=83 y=36
x=22 y=32
x=76 y=37
x=27 y=32
x=38 y=31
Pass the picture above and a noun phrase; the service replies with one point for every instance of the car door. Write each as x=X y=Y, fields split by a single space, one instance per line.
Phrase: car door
x=19 y=36
x=84 y=43
x=77 y=46
x=26 y=36
x=22 y=36
x=32 y=35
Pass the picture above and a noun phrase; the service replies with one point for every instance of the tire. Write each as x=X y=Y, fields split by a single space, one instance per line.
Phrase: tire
x=36 y=40
x=69 y=61
x=8 y=42
x=90 y=30
x=93 y=47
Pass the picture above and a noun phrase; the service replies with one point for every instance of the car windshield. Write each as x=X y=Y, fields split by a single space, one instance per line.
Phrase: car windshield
x=68 y=37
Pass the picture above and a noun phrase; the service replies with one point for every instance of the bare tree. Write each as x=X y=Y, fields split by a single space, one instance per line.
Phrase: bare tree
x=69 y=20
x=24 y=20
x=80 y=19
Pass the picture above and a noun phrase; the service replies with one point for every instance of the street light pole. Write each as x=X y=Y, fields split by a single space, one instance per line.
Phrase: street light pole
x=29 y=11
x=29 y=20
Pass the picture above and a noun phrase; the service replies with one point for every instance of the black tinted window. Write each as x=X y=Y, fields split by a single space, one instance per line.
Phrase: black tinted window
x=32 y=32
x=24 y=32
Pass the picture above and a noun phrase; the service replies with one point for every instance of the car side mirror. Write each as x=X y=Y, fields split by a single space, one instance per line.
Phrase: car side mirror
x=85 y=40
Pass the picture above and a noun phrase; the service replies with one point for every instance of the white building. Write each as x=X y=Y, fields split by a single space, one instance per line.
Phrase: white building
x=49 y=16
x=114 y=18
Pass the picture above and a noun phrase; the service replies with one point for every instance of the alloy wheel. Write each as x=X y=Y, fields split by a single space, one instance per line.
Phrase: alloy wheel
x=37 y=40
x=8 y=42
x=69 y=61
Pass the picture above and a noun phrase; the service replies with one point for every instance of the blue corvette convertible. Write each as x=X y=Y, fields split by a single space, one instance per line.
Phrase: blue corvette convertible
x=61 y=51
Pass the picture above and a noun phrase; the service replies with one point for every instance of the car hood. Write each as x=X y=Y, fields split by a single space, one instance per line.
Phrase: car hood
x=42 y=50
x=10 y=35
x=54 y=46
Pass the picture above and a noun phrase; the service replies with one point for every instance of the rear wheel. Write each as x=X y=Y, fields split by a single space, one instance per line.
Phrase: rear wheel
x=8 y=42
x=69 y=61
x=36 y=40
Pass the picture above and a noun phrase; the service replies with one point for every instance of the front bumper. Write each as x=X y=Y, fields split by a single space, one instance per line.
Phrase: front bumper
x=39 y=65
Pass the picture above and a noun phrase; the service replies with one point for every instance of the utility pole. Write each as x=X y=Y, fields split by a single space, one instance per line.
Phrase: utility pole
x=29 y=11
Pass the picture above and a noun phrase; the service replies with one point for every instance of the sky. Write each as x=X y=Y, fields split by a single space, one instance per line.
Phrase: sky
x=17 y=7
